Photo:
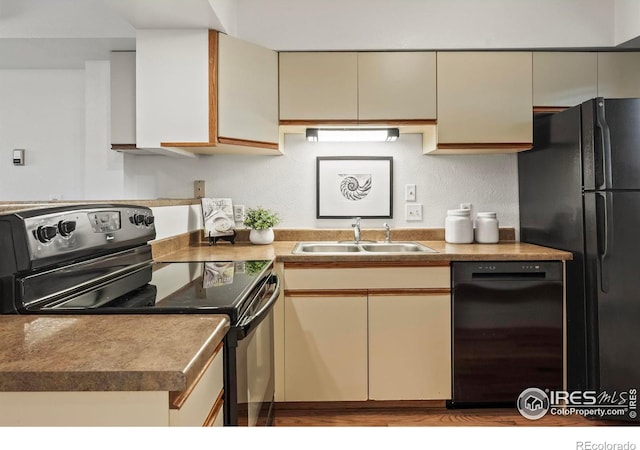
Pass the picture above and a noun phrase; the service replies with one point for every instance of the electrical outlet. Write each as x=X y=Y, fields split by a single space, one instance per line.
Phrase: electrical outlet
x=413 y=212
x=238 y=213
x=410 y=192
x=465 y=206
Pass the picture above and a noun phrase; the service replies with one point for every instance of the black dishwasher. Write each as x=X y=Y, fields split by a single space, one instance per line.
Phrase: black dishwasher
x=507 y=331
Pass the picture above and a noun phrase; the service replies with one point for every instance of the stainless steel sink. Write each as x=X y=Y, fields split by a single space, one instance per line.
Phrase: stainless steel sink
x=324 y=247
x=396 y=247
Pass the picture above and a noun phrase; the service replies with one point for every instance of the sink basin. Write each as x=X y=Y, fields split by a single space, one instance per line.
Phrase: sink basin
x=326 y=247
x=362 y=248
x=396 y=247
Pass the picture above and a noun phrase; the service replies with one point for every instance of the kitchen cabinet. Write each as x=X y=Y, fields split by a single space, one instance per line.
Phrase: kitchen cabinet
x=396 y=86
x=325 y=347
x=319 y=86
x=618 y=74
x=409 y=346
x=563 y=79
x=205 y=92
x=123 y=100
x=352 y=87
x=484 y=102
x=366 y=332
x=199 y=405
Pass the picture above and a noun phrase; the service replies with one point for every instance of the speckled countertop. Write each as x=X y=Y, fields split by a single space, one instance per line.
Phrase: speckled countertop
x=106 y=352
x=281 y=251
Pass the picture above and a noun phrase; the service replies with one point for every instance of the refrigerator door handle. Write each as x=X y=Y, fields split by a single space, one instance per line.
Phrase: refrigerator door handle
x=605 y=144
x=607 y=238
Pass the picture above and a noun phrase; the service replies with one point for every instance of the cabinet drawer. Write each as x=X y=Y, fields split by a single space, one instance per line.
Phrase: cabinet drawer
x=368 y=278
x=193 y=406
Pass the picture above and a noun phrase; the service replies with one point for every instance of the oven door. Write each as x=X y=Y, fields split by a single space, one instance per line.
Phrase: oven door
x=251 y=378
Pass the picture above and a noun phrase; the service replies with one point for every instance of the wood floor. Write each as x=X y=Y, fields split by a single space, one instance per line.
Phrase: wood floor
x=287 y=415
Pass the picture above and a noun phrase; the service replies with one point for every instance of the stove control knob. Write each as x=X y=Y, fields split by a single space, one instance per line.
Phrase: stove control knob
x=137 y=219
x=148 y=220
x=46 y=233
x=66 y=227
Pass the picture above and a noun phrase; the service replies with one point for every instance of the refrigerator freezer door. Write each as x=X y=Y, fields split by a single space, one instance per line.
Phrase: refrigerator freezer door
x=611 y=143
x=613 y=289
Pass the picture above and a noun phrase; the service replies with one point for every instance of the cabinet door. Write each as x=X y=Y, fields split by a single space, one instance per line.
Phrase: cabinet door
x=484 y=97
x=564 y=79
x=396 y=85
x=325 y=348
x=409 y=347
x=123 y=98
x=172 y=85
x=318 y=86
x=247 y=91
x=618 y=74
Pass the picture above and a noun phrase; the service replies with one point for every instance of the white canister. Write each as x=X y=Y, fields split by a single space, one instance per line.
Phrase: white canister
x=458 y=228
x=487 y=228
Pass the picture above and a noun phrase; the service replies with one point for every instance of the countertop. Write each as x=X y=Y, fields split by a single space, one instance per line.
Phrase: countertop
x=7 y=207
x=106 y=352
x=280 y=251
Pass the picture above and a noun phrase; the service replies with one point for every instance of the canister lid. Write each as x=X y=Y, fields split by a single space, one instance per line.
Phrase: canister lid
x=458 y=212
x=487 y=215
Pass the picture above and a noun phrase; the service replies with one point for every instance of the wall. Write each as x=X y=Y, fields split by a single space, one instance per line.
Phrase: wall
x=43 y=112
x=287 y=183
x=62 y=120
x=627 y=20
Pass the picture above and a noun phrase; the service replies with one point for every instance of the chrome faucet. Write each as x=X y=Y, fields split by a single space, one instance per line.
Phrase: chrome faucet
x=387 y=232
x=356 y=229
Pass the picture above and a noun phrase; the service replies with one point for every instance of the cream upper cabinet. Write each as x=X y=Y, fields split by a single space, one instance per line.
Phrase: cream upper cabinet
x=396 y=86
x=422 y=322
x=247 y=91
x=180 y=104
x=564 y=79
x=484 y=101
x=318 y=86
x=618 y=74
x=123 y=98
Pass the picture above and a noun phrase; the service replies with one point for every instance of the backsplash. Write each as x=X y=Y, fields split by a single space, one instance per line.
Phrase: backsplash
x=287 y=183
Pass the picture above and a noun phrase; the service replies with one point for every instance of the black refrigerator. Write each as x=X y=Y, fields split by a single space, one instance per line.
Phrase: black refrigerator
x=579 y=190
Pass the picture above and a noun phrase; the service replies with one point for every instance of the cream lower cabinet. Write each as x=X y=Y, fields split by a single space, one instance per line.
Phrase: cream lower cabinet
x=325 y=347
x=409 y=346
x=367 y=333
x=200 y=404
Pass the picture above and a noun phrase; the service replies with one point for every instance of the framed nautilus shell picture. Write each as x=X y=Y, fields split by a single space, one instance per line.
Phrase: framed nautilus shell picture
x=354 y=186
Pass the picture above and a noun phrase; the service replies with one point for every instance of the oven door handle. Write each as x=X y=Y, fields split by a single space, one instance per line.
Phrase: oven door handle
x=248 y=324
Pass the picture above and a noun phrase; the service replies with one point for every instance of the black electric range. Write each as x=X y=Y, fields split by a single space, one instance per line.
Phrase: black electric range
x=96 y=259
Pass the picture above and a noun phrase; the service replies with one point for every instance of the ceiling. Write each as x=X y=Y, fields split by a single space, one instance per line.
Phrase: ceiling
x=37 y=34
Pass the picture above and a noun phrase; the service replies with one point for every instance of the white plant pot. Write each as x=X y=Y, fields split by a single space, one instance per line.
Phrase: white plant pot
x=261 y=236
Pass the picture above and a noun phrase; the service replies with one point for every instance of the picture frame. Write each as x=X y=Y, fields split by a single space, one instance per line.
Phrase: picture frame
x=354 y=186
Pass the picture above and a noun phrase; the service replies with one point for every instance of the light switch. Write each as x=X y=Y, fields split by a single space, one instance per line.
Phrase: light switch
x=410 y=192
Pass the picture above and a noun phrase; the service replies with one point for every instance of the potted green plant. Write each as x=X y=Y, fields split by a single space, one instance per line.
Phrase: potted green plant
x=261 y=221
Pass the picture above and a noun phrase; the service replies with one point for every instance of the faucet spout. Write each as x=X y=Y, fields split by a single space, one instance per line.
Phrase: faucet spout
x=356 y=229
x=387 y=232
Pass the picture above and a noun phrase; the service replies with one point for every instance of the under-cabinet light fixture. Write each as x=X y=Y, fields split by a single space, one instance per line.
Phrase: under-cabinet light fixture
x=352 y=134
